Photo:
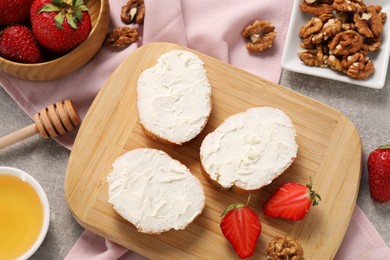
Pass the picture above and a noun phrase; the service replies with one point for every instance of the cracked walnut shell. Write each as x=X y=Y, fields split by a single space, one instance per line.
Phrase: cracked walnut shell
x=284 y=248
x=133 y=12
x=260 y=34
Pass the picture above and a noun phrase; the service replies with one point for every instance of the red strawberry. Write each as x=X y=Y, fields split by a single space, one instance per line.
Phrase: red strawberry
x=241 y=226
x=14 y=11
x=291 y=201
x=17 y=43
x=60 y=25
x=378 y=165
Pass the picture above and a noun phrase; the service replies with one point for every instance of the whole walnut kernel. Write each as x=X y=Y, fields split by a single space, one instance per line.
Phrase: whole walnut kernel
x=133 y=12
x=284 y=248
x=260 y=34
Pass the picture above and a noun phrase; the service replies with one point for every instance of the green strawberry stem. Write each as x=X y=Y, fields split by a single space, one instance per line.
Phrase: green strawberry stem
x=385 y=146
x=69 y=9
x=235 y=206
x=315 y=197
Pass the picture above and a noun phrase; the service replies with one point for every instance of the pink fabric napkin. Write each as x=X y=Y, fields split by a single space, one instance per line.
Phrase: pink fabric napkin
x=211 y=27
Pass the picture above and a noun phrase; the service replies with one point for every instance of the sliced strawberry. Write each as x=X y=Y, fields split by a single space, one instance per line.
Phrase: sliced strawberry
x=241 y=226
x=291 y=201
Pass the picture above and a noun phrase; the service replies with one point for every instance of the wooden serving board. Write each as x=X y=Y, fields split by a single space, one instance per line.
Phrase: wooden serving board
x=329 y=152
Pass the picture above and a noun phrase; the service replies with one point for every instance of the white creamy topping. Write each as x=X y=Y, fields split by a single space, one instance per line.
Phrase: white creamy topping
x=153 y=191
x=250 y=149
x=174 y=97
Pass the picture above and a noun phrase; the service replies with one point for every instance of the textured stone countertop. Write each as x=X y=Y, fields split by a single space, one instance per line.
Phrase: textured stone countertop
x=46 y=160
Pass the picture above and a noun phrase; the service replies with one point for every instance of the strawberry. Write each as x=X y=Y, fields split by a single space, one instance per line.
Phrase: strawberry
x=291 y=201
x=14 y=11
x=17 y=43
x=378 y=165
x=241 y=226
x=60 y=25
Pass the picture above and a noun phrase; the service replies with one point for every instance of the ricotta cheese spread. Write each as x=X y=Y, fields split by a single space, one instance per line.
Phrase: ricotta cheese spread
x=153 y=191
x=250 y=149
x=174 y=97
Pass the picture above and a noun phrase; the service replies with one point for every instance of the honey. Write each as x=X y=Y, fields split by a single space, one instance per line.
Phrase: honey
x=21 y=216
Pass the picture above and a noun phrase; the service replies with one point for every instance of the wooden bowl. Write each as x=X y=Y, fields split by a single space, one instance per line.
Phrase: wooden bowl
x=99 y=11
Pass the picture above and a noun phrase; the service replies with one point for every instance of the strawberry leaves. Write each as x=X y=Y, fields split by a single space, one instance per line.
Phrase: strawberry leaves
x=71 y=10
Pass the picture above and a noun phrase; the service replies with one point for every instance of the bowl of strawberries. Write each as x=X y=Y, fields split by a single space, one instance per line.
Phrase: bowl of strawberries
x=47 y=39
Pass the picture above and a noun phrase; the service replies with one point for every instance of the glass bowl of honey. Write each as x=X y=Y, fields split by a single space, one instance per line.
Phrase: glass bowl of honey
x=24 y=214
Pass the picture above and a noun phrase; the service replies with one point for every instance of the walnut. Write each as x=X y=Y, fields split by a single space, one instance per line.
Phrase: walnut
x=318 y=1
x=331 y=28
x=284 y=248
x=121 y=36
x=335 y=64
x=361 y=70
x=370 y=23
x=345 y=43
x=356 y=57
x=314 y=57
x=340 y=34
x=371 y=44
x=349 y=5
x=261 y=35
x=346 y=18
x=133 y=12
x=316 y=9
x=312 y=26
x=310 y=32
x=358 y=66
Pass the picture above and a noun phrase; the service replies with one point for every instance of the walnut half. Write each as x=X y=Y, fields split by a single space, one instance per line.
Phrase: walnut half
x=284 y=248
x=261 y=35
x=121 y=37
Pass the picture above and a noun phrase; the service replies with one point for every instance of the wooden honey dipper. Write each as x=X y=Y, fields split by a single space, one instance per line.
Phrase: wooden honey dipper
x=53 y=120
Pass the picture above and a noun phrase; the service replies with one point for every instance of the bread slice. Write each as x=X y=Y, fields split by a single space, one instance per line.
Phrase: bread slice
x=249 y=149
x=154 y=192
x=174 y=98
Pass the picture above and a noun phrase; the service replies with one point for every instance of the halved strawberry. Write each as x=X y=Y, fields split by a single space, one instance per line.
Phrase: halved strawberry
x=241 y=226
x=291 y=201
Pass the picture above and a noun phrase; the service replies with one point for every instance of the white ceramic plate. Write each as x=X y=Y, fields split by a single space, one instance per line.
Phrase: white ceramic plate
x=291 y=61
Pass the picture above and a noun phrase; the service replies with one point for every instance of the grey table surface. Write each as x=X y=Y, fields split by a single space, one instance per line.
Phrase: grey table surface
x=46 y=160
